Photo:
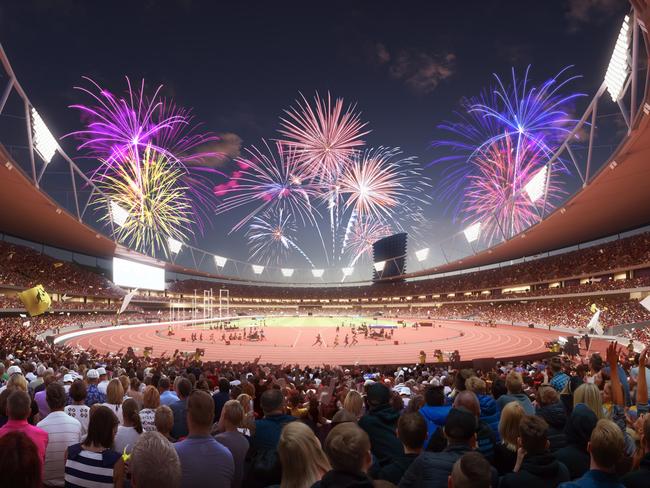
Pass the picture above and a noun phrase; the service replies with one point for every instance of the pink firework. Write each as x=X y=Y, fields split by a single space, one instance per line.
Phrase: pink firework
x=377 y=182
x=496 y=194
x=363 y=235
x=324 y=136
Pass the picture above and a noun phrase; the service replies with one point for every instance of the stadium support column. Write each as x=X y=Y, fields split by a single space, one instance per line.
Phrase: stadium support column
x=224 y=303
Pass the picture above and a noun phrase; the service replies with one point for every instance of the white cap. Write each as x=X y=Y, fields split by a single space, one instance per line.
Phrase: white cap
x=101 y=371
x=14 y=370
x=368 y=383
x=92 y=374
x=30 y=376
x=67 y=378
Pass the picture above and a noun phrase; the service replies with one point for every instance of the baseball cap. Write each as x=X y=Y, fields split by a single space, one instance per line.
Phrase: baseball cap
x=67 y=378
x=461 y=424
x=14 y=370
x=101 y=371
x=92 y=374
x=30 y=376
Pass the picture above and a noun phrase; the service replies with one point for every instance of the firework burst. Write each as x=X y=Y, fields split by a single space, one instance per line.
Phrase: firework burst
x=363 y=234
x=271 y=237
x=324 y=136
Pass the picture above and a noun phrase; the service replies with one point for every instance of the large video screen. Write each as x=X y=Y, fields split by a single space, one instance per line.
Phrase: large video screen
x=136 y=275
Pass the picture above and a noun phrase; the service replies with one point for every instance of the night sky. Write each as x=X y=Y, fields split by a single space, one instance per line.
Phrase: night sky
x=238 y=65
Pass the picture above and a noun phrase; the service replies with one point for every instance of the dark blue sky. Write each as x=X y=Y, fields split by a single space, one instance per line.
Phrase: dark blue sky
x=239 y=64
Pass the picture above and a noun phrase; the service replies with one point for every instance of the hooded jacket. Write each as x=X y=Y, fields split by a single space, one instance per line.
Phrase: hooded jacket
x=380 y=424
x=556 y=418
x=490 y=414
x=537 y=470
x=435 y=416
x=577 y=433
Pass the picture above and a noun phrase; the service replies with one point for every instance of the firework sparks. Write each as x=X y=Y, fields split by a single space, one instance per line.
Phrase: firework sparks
x=269 y=179
x=363 y=234
x=324 y=136
x=271 y=236
x=149 y=188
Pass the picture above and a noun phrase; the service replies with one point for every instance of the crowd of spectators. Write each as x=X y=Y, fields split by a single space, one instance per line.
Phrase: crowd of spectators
x=74 y=418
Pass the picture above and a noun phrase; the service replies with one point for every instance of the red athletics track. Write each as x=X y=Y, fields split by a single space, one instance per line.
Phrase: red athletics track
x=294 y=344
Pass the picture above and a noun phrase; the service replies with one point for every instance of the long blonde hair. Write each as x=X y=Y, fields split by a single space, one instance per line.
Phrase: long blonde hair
x=114 y=392
x=511 y=416
x=590 y=395
x=302 y=458
x=353 y=403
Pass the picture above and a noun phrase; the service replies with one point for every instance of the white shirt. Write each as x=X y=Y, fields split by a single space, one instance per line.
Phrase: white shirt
x=63 y=431
x=116 y=409
x=126 y=437
x=102 y=386
x=81 y=413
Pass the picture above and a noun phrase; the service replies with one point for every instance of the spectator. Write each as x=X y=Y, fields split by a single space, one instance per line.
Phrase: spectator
x=115 y=397
x=578 y=430
x=560 y=378
x=180 y=429
x=232 y=416
x=380 y=423
x=471 y=471
x=133 y=390
x=590 y=395
x=167 y=396
x=154 y=463
x=485 y=438
x=248 y=424
x=514 y=384
x=353 y=403
x=489 y=410
x=102 y=385
x=78 y=410
x=63 y=431
x=39 y=397
x=505 y=452
x=412 y=432
x=164 y=421
x=18 y=410
x=221 y=397
x=301 y=456
x=94 y=461
x=203 y=459
x=150 y=402
x=269 y=428
x=432 y=469
x=129 y=431
x=20 y=463
x=641 y=477
x=606 y=448
x=93 y=395
x=536 y=466
x=348 y=450
x=435 y=411
x=552 y=411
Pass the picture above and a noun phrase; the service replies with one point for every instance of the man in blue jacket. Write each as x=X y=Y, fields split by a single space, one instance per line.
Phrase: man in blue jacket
x=269 y=428
x=435 y=411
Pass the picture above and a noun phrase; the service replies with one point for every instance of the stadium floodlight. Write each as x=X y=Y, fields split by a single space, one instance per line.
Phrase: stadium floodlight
x=287 y=272
x=44 y=142
x=317 y=273
x=257 y=269
x=422 y=254
x=379 y=266
x=473 y=232
x=118 y=214
x=174 y=245
x=220 y=261
x=619 y=65
x=347 y=271
x=536 y=185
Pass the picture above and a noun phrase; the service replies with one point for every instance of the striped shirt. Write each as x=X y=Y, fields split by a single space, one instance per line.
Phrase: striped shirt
x=63 y=431
x=87 y=469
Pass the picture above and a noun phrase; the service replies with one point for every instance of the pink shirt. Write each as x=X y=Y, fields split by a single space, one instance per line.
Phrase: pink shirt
x=36 y=434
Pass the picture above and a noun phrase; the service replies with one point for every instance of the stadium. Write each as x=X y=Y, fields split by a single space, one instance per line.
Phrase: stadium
x=152 y=270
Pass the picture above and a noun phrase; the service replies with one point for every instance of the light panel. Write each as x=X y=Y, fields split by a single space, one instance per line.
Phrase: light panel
x=220 y=261
x=473 y=232
x=422 y=254
x=118 y=214
x=132 y=274
x=317 y=273
x=347 y=271
x=174 y=245
x=44 y=142
x=257 y=269
x=619 y=65
x=536 y=185
x=379 y=266
x=287 y=272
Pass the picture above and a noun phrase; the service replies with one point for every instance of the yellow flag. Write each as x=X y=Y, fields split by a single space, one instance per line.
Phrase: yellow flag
x=36 y=300
x=594 y=308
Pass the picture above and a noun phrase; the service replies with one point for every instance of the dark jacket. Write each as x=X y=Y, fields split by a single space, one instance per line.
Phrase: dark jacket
x=504 y=459
x=595 y=479
x=485 y=440
x=339 y=479
x=380 y=424
x=179 y=428
x=577 y=433
x=394 y=470
x=220 y=398
x=490 y=413
x=555 y=416
x=639 y=478
x=267 y=431
x=538 y=470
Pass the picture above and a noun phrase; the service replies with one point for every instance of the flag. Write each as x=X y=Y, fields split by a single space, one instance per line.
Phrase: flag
x=127 y=299
x=594 y=323
x=36 y=300
x=645 y=303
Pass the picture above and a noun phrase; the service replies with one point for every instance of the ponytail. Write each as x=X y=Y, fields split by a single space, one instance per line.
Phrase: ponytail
x=130 y=412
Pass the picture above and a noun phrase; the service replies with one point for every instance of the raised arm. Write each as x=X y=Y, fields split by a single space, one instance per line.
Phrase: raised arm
x=612 y=360
x=642 y=381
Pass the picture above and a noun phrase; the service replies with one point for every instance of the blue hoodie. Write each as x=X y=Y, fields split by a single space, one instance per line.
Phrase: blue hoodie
x=435 y=416
x=490 y=413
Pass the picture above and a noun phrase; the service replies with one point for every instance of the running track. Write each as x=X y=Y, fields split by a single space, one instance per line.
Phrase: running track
x=294 y=344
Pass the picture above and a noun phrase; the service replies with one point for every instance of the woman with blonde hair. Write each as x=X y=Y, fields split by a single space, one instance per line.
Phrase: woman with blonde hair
x=353 y=403
x=150 y=402
x=248 y=424
x=114 y=398
x=301 y=456
x=589 y=394
x=505 y=452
